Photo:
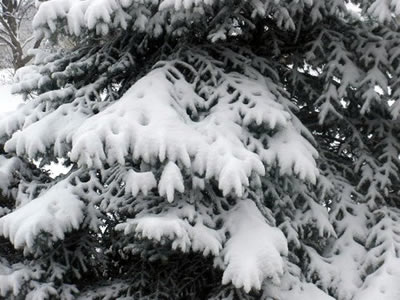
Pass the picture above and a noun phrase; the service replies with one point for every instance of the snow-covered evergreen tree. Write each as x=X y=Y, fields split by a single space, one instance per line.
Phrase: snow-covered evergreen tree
x=217 y=150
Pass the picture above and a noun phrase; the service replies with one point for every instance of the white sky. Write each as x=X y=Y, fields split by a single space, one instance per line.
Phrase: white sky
x=8 y=102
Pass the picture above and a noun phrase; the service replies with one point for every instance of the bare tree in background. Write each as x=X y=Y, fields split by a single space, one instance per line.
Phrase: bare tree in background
x=16 y=32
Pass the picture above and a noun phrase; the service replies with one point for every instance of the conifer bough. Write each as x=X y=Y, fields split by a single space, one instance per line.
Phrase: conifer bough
x=217 y=150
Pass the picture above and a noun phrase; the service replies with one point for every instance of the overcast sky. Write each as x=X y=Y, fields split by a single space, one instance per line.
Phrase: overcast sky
x=8 y=102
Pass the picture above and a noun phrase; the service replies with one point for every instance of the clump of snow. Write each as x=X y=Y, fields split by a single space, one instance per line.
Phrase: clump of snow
x=55 y=212
x=54 y=130
x=13 y=279
x=7 y=168
x=177 y=226
x=254 y=251
x=136 y=182
x=291 y=152
x=171 y=180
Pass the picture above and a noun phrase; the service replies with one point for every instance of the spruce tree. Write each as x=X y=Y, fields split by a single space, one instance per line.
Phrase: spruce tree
x=216 y=150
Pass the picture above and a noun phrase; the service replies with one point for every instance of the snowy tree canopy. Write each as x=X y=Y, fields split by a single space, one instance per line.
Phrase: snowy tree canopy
x=217 y=150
